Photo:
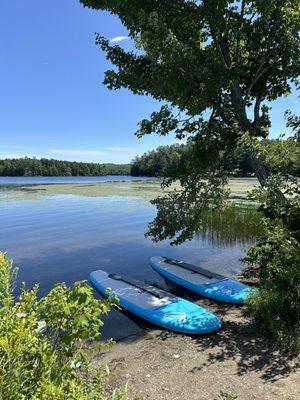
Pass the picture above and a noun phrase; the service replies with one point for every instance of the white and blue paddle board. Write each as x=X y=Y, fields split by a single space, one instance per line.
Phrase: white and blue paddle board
x=201 y=281
x=156 y=305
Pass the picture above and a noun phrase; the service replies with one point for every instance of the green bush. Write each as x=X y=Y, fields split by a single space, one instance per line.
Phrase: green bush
x=42 y=341
x=276 y=305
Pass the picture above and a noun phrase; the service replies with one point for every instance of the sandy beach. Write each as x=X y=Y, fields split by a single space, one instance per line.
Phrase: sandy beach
x=235 y=361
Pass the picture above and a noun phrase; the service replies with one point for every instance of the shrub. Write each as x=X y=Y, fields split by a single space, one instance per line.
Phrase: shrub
x=42 y=341
x=276 y=305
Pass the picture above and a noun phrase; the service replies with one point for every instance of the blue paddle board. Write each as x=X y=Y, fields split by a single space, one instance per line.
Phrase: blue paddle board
x=156 y=305
x=201 y=281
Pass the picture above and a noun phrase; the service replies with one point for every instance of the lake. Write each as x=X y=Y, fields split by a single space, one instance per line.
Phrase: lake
x=34 y=180
x=61 y=229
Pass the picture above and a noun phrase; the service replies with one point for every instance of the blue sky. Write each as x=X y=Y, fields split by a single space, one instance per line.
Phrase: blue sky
x=52 y=101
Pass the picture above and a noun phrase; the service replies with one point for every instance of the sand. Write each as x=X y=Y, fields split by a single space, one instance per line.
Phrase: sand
x=237 y=361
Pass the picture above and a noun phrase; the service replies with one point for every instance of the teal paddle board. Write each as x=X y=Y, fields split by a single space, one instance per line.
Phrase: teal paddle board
x=201 y=281
x=156 y=305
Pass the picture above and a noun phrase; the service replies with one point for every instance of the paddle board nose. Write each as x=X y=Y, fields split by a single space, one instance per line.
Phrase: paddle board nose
x=185 y=316
x=228 y=291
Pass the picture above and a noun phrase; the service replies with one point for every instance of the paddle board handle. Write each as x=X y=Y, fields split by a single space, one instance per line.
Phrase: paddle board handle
x=138 y=284
x=193 y=268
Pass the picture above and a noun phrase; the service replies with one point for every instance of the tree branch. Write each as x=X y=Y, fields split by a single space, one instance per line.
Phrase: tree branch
x=256 y=111
x=259 y=73
x=238 y=51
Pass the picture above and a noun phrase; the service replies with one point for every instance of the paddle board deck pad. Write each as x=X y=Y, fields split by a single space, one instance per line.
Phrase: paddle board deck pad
x=156 y=305
x=201 y=281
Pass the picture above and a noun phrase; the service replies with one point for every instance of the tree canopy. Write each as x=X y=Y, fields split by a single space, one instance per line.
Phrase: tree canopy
x=215 y=66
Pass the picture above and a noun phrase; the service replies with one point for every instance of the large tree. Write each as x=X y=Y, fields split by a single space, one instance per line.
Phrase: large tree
x=215 y=66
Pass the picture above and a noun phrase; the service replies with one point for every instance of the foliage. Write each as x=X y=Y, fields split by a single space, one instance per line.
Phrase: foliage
x=161 y=162
x=293 y=122
x=42 y=350
x=186 y=209
x=276 y=304
x=280 y=155
x=288 y=212
x=116 y=169
x=50 y=167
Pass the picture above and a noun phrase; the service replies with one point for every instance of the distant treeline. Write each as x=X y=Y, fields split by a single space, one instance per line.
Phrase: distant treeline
x=159 y=162
x=50 y=167
x=164 y=160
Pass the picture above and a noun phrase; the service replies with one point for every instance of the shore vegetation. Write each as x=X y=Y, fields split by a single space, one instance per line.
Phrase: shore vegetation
x=43 y=349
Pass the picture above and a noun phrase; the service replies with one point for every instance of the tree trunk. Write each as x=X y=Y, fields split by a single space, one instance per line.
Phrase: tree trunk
x=246 y=126
x=259 y=169
x=262 y=175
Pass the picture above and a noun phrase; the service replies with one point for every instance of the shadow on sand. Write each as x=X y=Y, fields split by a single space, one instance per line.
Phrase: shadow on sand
x=240 y=341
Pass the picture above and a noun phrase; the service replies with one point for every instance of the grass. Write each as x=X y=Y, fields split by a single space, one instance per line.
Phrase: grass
x=228 y=396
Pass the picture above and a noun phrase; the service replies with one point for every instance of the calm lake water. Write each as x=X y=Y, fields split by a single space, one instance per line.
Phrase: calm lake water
x=58 y=230
x=34 y=180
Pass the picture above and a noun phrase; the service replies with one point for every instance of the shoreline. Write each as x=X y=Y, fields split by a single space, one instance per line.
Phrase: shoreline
x=159 y=364
x=235 y=363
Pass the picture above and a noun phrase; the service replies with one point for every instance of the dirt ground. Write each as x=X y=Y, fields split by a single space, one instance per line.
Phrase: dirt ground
x=236 y=361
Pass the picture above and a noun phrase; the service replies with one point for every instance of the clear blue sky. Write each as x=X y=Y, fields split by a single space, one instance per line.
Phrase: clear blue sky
x=52 y=101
